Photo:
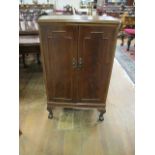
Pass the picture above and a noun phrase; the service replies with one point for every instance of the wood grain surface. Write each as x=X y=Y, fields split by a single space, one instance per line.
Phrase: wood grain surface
x=41 y=136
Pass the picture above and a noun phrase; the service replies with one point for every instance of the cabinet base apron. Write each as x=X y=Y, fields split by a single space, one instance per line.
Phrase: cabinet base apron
x=99 y=106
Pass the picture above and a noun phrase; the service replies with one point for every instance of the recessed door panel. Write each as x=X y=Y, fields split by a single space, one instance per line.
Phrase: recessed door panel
x=60 y=53
x=95 y=57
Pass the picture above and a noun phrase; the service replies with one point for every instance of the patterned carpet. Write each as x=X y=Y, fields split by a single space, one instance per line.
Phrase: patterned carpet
x=130 y=53
x=126 y=58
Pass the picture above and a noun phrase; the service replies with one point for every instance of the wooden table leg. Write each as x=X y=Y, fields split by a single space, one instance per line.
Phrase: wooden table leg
x=23 y=58
x=20 y=133
x=122 y=38
x=130 y=38
x=38 y=58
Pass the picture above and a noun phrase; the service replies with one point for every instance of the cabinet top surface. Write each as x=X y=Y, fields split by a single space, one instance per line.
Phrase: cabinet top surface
x=78 y=19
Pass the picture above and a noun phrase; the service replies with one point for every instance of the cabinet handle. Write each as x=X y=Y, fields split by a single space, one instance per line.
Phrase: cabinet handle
x=80 y=64
x=74 y=63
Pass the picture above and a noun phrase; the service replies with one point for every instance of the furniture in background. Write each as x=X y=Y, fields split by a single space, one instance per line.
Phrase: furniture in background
x=28 y=29
x=78 y=54
x=127 y=29
x=115 y=10
x=29 y=44
x=80 y=11
x=116 y=2
x=130 y=33
x=85 y=4
x=29 y=39
x=113 y=14
x=128 y=21
x=29 y=12
x=36 y=6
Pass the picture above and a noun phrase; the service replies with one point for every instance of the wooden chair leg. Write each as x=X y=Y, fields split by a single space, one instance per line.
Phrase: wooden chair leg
x=129 y=42
x=122 y=38
x=38 y=58
x=20 y=133
x=23 y=58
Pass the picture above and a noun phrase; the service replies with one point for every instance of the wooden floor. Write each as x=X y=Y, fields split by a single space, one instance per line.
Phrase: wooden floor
x=78 y=133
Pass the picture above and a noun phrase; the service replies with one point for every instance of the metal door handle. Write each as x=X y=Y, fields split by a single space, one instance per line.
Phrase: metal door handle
x=74 y=63
x=80 y=64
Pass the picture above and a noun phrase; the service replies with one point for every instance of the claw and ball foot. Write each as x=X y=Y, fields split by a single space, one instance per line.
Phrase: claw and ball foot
x=101 y=117
x=50 y=115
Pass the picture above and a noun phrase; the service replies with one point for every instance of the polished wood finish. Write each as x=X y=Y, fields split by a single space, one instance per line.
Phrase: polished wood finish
x=78 y=54
x=78 y=20
x=96 y=51
x=60 y=51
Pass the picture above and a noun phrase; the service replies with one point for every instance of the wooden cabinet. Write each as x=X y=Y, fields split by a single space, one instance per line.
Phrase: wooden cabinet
x=77 y=59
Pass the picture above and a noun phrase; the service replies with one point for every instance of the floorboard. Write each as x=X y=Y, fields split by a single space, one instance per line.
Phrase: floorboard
x=78 y=133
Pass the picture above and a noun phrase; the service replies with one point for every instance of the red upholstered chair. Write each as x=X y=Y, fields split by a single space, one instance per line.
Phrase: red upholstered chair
x=130 y=33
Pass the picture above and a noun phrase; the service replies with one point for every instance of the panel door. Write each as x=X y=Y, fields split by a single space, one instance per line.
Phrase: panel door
x=95 y=58
x=60 y=58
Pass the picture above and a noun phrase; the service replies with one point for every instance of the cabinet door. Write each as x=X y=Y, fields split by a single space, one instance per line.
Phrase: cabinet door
x=60 y=57
x=95 y=57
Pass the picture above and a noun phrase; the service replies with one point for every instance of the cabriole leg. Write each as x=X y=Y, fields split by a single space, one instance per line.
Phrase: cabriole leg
x=129 y=42
x=101 y=117
x=23 y=58
x=122 y=38
x=50 y=115
x=38 y=58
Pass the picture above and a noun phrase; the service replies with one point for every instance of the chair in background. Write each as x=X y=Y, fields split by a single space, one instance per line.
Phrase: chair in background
x=29 y=44
x=130 y=33
x=28 y=32
x=127 y=29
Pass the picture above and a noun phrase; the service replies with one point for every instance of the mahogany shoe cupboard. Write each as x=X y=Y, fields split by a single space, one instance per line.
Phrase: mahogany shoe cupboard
x=78 y=54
